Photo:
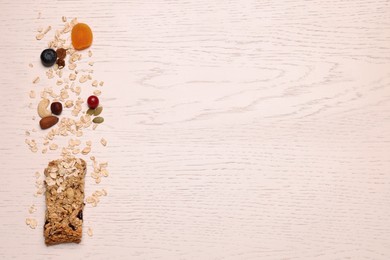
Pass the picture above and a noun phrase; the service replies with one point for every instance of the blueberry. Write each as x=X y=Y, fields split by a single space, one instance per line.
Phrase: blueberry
x=48 y=57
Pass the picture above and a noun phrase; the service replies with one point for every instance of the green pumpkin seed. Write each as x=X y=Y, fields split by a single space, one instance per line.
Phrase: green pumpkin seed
x=98 y=120
x=90 y=112
x=98 y=111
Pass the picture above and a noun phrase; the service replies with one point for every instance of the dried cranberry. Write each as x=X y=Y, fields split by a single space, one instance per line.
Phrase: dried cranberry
x=93 y=102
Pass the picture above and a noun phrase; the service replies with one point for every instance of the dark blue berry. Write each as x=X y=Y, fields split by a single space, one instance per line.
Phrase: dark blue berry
x=48 y=57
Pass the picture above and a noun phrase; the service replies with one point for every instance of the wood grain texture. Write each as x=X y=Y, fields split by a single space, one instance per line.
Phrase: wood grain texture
x=237 y=129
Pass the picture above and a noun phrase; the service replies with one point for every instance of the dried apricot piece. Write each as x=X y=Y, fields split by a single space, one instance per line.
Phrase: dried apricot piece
x=81 y=36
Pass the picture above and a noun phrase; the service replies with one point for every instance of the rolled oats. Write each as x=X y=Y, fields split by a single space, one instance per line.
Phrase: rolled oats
x=97 y=92
x=86 y=150
x=32 y=209
x=83 y=78
x=31 y=222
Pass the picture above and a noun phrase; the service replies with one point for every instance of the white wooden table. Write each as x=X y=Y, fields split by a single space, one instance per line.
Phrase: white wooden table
x=236 y=129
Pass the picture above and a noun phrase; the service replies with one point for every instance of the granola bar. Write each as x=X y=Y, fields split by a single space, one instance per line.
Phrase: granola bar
x=64 y=181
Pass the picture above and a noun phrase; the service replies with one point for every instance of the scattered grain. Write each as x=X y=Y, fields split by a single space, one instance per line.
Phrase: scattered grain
x=36 y=80
x=32 y=94
x=69 y=104
x=86 y=150
x=53 y=146
x=83 y=78
x=90 y=232
x=32 y=209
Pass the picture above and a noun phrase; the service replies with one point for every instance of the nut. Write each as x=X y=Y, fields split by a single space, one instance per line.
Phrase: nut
x=42 y=108
x=56 y=108
x=48 y=122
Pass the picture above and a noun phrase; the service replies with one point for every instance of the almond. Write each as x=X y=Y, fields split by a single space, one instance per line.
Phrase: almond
x=48 y=122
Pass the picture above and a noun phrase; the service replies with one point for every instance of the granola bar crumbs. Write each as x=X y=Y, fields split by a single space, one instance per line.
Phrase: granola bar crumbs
x=31 y=65
x=103 y=141
x=95 y=83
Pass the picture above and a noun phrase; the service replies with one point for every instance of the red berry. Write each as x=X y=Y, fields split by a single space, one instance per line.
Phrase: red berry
x=93 y=102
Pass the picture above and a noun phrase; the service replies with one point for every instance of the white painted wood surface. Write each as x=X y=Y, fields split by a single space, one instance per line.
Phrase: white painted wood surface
x=237 y=129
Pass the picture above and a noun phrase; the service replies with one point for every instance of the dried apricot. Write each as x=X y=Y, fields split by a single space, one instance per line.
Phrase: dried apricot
x=81 y=36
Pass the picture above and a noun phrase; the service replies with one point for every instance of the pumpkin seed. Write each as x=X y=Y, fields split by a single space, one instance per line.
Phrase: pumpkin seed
x=90 y=111
x=98 y=111
x=98 y=120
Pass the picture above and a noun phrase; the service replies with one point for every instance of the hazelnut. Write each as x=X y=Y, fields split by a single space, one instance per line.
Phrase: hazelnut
x=56 y=108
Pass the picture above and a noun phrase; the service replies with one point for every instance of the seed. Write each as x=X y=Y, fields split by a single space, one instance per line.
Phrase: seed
x=36 y=80
x=98 y=120
x=98 y=111
x=90 y=112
